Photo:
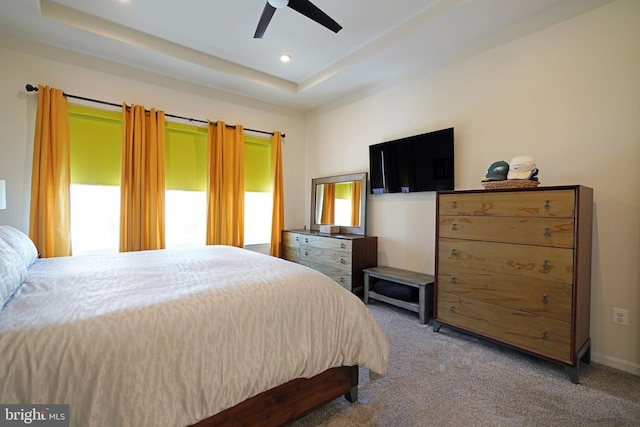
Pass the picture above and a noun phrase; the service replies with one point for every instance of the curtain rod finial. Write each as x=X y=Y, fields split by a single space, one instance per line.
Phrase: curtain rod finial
x=31 y=88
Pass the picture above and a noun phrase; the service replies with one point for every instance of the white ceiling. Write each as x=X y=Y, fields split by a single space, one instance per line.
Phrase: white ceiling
x=210 y=42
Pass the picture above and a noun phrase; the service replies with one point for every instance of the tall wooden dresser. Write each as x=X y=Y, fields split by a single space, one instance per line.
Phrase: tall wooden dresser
x=340 y=256
x=514 y=266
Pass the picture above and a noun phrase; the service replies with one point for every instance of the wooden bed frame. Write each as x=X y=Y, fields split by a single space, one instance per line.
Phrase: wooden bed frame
x=288 y=402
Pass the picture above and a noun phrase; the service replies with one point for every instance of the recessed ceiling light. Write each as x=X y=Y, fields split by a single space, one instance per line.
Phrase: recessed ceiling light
x=285 y=57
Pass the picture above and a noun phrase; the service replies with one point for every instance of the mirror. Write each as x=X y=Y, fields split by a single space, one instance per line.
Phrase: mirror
x=340 y=200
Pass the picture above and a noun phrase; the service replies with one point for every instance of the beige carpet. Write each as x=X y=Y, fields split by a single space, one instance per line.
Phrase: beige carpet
x=453 y=379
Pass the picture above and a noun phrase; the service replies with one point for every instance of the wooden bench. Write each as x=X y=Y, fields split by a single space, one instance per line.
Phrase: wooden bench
x=424 y=283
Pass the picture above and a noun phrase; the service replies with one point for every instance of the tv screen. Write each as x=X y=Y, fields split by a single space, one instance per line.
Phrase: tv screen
x=416 y=163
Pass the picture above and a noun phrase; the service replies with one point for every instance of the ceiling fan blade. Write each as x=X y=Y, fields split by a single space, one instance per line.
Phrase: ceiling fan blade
x=309 y=10
x=267 y=14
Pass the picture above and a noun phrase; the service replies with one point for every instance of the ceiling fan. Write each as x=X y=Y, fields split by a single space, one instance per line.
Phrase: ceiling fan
x=304 y=7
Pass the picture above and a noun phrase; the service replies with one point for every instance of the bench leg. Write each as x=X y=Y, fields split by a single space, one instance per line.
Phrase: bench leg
x=422 y=304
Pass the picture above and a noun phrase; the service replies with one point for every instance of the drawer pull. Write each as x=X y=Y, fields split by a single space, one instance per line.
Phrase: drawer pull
x=452 y=309
x=297 y=238
x=453 y=252
x=306 y=240
x=341 y=279
x=543 y=337
x=452 y=280
x=544 y=299
x=342 y=245
x=306 y=253
x=453 y=227
x=454 y=205
x=342 y=261
x=547 y=232
x=547 y=205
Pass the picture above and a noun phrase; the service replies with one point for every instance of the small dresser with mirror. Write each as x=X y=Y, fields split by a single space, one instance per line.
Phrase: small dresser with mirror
x=338 y=201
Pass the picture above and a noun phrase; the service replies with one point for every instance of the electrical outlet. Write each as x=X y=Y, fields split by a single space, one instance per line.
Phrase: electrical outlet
x=620 y=316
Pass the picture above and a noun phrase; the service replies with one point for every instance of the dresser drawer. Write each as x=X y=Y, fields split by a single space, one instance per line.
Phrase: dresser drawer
x=538 y=262
x=340 y=245
x=334 y=258
x=290 y=254
x=340 y=275
x=556 y=232
x=543 y=298
x=290 y=246
x=291 y=239
x=538 y=203
x=526 y=330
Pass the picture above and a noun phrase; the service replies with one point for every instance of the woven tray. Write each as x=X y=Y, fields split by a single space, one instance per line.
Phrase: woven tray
x=509 y=184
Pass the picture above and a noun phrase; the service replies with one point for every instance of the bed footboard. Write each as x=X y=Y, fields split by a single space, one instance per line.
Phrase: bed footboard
x=290 y=401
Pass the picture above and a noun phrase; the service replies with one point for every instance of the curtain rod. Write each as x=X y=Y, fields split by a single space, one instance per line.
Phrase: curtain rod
x=31 y=88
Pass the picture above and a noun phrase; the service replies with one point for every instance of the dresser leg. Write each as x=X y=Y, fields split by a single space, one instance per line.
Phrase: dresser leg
x=436 y=326
x=573 y=372
x=586 y=356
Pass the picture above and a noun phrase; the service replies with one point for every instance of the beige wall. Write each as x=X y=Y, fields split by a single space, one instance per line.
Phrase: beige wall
x=569 y=96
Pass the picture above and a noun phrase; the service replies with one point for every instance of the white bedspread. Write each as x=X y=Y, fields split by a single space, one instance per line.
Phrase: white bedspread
x=167 y=338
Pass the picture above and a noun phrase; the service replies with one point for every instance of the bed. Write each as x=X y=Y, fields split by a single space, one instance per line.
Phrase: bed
x=206 y=336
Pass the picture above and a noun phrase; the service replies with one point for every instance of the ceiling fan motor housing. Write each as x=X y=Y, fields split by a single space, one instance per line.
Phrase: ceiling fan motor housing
x=278 y=3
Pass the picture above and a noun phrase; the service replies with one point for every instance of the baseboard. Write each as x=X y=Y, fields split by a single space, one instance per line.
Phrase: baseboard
x=263 y=248
x=613 y=362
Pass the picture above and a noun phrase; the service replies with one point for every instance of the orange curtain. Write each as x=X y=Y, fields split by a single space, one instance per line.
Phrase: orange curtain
x=142 y=179
x=50 y=176
x=277 y=218
x=225 y=185
x=328 y=204
x=356 y=187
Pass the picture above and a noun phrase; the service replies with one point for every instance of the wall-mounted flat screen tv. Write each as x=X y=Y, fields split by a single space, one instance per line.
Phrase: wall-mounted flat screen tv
x=416 y=163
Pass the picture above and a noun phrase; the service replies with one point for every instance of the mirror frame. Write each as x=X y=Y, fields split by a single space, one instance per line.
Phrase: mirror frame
x=362 y=177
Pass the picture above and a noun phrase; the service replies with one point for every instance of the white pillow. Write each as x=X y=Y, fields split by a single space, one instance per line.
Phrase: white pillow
x=21 y=243
x=12 y=272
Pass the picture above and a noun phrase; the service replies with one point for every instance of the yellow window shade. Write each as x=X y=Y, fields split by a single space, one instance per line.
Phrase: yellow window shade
x=257 y=164
x=94 y=145
x=186 y=163
x=343 y=190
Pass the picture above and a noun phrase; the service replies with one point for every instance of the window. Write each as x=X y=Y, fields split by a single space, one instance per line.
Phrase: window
x=185 y=199
x=95 y=189
x=95 y=179
x=258 y=198
x=342 y=208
